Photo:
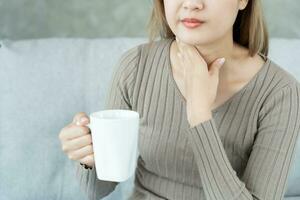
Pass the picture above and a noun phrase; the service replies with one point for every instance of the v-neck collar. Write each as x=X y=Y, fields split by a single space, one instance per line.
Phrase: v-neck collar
x=234 y=96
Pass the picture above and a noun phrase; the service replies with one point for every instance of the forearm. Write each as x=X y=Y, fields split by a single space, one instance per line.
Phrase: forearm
x=217 y=175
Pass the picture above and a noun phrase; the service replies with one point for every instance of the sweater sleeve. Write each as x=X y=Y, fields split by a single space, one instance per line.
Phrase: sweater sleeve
x=118 y=97
x=273 y=150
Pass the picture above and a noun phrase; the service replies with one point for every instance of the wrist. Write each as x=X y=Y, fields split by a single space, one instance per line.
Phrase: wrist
x=197 y=119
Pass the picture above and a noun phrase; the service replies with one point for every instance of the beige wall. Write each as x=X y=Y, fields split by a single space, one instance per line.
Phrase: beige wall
x=103 y=18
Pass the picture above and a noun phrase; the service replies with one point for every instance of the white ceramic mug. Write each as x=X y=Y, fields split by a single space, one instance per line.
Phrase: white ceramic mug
x=115 y=143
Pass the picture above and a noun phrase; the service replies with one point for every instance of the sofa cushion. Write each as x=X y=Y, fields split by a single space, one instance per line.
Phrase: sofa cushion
x=44 y=82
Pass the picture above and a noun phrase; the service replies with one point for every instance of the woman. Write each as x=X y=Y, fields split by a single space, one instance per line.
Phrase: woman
x=218 y=119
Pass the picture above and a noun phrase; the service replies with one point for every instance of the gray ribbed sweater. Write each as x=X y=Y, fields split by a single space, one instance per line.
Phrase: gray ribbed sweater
x=243 y=152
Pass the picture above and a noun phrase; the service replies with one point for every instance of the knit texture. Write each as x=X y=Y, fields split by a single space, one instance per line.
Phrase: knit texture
x=244 y=151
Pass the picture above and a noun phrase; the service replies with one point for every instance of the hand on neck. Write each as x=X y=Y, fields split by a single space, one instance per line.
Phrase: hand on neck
x=224 y=47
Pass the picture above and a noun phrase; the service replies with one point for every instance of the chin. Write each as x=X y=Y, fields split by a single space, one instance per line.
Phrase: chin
x=192 y=40
x=195 y=38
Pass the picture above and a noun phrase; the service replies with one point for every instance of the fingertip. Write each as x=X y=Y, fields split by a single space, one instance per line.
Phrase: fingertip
x=83 y=120
x=221 y=61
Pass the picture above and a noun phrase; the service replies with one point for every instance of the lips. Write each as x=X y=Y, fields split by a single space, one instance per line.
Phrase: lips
x=191 y=22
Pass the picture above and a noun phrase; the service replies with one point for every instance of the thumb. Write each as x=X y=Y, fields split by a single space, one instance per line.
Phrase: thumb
x=216 y=65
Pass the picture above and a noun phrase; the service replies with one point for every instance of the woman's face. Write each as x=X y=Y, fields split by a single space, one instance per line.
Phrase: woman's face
x=218 y=17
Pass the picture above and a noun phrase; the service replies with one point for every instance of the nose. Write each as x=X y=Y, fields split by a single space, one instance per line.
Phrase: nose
x=193 y=5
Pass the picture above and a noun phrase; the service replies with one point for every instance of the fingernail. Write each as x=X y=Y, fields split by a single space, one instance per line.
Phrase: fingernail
x=84 y=119
x=221 y=61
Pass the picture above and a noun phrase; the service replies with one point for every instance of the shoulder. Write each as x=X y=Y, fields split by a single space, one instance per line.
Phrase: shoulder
x=155 y=49
x=144 y=55
x=150 y=46
x=130 y=56
x=272 y=77
x=281 y=77
x=135 y=54
x=280 y=86
x=134 y=59
x=127 y=62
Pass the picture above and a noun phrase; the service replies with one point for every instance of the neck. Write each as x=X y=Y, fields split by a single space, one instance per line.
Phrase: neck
x=232 y=52
x=218 y=49
x=224 y=47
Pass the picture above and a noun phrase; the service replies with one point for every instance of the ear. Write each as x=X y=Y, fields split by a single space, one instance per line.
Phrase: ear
x=242 y=4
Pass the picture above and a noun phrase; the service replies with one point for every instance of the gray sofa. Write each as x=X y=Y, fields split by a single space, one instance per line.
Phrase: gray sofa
x=44 y=82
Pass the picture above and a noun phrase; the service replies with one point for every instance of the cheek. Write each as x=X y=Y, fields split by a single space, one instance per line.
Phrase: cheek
x=170 y=14
x=224 y=18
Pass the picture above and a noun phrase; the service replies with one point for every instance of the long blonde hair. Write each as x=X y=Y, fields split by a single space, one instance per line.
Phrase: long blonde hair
x=249 y=29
